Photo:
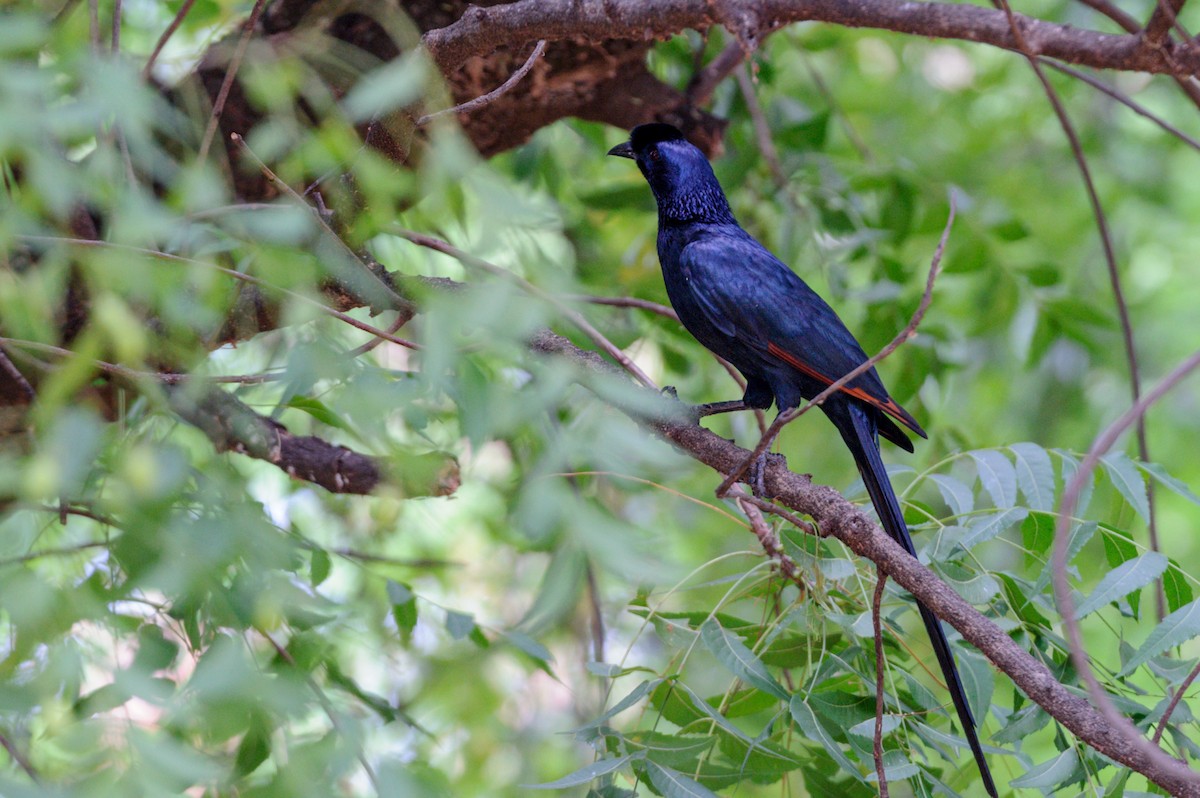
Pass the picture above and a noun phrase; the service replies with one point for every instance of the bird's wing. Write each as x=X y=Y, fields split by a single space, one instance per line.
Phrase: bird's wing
x=750 y=294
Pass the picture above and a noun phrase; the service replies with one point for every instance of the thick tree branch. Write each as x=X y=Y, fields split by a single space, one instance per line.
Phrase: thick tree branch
x=482 y=30
x=837 y=517
x=232 y=426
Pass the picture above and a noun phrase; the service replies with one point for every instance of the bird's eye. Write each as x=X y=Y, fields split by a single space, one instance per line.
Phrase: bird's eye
x=654 y=156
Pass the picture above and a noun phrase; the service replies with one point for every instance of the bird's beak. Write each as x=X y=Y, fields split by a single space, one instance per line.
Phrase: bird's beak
x=622 y=150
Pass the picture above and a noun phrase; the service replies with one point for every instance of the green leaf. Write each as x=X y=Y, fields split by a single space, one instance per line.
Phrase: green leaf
x=404 y=607
x=635 y=695
x=985 y=527
x=1023 y=723
x=731 y=652
x=1121 y=581
x=1050 y=774
x=812 y=727
x=318 y=410
x=587 y=774
x=319 y=567
x=672 y=750
x=673 y=784
x=1018 y=596
x=1125 y=477
x=1035 y=475
x=254 y=748
x=958 y=497
x=979 y=680
x=997 y=475
x=1177 y=587
x=459 y=624
x=1179 y=486
x=1070 y=467
x=1177 y=628
x=867 y=727
x=528 y=645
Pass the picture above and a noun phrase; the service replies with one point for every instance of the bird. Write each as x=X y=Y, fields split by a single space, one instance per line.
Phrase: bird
x=746 y=306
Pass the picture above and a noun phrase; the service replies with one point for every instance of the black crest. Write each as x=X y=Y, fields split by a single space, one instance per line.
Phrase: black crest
x=643 y=136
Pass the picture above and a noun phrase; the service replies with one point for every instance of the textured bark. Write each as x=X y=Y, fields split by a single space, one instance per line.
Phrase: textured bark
x=232 y=426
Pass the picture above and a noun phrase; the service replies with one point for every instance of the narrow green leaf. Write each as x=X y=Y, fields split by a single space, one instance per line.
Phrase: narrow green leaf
x=812 y=727
x=867 y=727
x=1051 y=773
x=979 y=681
x=1178 y=627
x=635 y=695
x=459 y=624
x=1124 y=579
x=1035 y=475
x=530 y=646
x=1179 y=486
x=319 y=567
x=1070 y=467
x=997 y=475
x=318 y=410
x=740 y=660
x=673 y=784
x=404 y=607
x=1018 y=596
x=587 y=774
x=958 y=497
x=986 y=527
x=1177 y=587
x=1125 y=477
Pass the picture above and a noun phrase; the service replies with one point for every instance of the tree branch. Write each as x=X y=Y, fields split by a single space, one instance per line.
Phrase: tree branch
x=838 y=518
x=232 y=426
x=481 y=30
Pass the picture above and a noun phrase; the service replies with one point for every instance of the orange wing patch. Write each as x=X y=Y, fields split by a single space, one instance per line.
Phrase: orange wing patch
x=889 y=406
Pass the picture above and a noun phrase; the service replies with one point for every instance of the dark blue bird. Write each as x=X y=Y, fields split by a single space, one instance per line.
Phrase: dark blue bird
x=745 y=305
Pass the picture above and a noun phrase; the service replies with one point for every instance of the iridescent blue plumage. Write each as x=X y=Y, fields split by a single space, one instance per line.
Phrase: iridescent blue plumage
x=745 y=305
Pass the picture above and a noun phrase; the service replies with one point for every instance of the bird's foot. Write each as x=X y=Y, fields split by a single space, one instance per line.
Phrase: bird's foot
x=670 y=392
x=756 y=477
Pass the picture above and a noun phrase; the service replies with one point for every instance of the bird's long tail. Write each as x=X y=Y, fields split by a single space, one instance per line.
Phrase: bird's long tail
x=859 y=433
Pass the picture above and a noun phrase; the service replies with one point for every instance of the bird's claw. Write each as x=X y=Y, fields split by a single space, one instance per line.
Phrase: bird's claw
x=756 y=476
x=669 y=391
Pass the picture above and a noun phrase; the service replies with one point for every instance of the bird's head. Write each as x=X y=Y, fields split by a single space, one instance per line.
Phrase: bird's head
x=678 y=173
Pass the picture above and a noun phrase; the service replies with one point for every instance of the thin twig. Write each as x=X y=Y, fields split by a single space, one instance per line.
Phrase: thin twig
x=1124 y=21
x=848 y=128
x=1062 y=587
x=762 y=133
x=705 y=81
x=325 y=703
x=166 y=36
x=626 y=302
x=790 y=415
x=598 y=338
x=1110 y=261
x=115 y=40
x=20 y=758
x=61 y=552
x=668 y=313
x=769 y=540
x=503 y=88
x=1175 y=699
x=396 y=324
x=1124 y=99
x=877 y=626
x=231 y=71
x=15 y=375
x=396 y=301
x=775 y=509
x=337 y=314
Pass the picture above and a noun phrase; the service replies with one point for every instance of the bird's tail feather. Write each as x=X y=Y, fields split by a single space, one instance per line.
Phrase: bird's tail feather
x=860 y=436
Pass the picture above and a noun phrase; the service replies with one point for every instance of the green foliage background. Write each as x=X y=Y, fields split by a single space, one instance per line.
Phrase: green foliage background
x=219 y=629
